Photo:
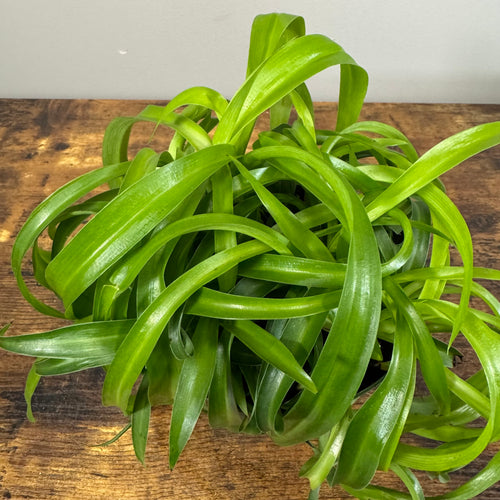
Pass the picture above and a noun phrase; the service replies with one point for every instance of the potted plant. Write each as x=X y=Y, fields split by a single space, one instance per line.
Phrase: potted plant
x=288 y=284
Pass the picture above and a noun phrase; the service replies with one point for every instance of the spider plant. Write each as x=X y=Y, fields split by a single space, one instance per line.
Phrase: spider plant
x=288 y=284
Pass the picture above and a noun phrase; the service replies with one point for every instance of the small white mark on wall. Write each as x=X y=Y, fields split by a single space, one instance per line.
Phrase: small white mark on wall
x=123 y=52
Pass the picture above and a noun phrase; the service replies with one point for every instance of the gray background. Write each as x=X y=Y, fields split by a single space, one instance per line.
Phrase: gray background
x=413 y=50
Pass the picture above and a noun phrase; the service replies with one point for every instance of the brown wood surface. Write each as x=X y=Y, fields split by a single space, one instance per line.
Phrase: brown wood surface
x=45 y=143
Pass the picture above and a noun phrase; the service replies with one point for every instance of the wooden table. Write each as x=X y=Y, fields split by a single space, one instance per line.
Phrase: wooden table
x=45 y=143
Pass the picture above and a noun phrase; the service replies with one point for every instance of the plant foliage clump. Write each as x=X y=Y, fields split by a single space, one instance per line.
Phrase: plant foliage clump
x=274 y=283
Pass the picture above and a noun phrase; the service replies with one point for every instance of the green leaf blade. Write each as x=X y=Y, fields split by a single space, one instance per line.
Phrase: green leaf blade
x=128 y=218
x=194 y=384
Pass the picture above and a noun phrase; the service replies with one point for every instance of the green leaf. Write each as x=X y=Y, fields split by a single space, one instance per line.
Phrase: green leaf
x=269 y=33
x=429 y=358
x=294 y=271
x=318 y=469
x=270 y=349
x=127 y=219
x=410 y=481
x=285 y=70
x=48 y=211
x=63 y=366
x=140 y=419
x=222 y=408
x=215 y=304
x=144 y=162
x=438 y=160
x=309 y=244
x=31 y=384
x=374 y=422
x=452 y=455
x=97 y=340
x=163 y=373
x=194 y=384
x=200 y=96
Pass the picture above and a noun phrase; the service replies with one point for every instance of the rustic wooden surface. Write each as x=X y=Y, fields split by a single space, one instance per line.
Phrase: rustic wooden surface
x=45 y=143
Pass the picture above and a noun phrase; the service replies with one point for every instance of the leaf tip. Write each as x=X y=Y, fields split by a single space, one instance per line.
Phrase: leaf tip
x=172 y=459
x=4 y=329
x=309 y=384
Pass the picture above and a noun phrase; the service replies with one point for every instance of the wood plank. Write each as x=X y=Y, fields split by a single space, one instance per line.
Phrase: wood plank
x=45 y=143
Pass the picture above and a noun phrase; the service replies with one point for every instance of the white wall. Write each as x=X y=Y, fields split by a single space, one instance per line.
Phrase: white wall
x=413 y=50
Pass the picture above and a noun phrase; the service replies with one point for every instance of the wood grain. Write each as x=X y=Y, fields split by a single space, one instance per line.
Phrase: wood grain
x=45 y=143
